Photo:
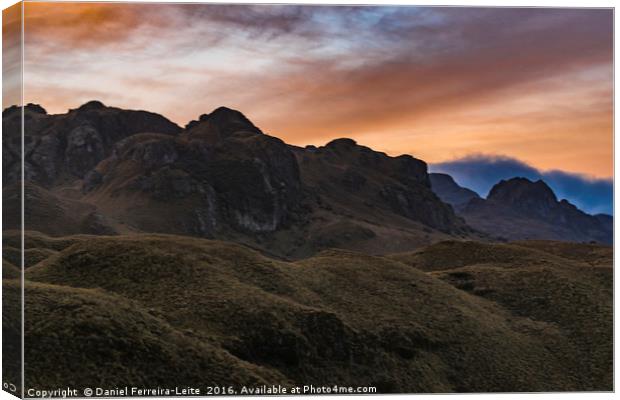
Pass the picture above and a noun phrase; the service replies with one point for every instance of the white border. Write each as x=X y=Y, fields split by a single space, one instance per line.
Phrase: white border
x=483 y=3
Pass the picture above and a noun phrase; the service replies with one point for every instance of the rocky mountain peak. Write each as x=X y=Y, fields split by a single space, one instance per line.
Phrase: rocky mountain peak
x=450 y=192
x=91 y=105
x=443 y=178
x=64 y=147
x=35 y=108
x=523 y=193
x=223 y=121
x=227 y=113
x=519 y=209
x=342 y=143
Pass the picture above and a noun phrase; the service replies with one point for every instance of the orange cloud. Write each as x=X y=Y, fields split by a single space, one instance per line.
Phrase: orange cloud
x=11 y=55
x=81 y=24
x=438 y=83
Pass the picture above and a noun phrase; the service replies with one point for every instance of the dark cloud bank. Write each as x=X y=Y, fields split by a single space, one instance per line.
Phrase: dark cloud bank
x=481 y=172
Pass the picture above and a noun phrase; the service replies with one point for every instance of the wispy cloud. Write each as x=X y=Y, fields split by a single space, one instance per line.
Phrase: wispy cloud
x=11 y=55
x=436 y=82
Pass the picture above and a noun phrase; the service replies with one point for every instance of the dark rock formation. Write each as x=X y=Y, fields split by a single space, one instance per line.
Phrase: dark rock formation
x=345 y=173
x=222 y=177
x=108 y=170
x=534 y=198
x=232 y=175
x=450 y=192
x=64 y=147
x=220 y=123
x=521 y=209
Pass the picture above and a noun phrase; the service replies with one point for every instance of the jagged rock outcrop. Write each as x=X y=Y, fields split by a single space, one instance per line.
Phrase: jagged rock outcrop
x=220 y=123
x=450 y=192
x=345 y=173
x=221 y=173
x=521 y=209
x=535 y=198
x=64 y=147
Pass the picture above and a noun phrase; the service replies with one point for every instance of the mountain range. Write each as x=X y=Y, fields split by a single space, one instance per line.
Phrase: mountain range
x=519 y=209
x=104 y=170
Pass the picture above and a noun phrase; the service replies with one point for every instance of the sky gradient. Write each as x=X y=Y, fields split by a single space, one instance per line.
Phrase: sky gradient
x=438 y=83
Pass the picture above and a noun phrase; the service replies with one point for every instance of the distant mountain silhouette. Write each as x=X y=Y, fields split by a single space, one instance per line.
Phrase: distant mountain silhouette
x=450 y=192
x=120 y=171
x=518 y=209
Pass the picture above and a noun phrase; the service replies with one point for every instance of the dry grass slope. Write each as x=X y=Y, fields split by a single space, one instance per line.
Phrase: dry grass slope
x=457 y=316
x=89 y=338
x=559 y=286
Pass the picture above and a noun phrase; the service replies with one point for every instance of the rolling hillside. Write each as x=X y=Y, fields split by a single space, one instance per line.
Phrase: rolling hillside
x=455 y=316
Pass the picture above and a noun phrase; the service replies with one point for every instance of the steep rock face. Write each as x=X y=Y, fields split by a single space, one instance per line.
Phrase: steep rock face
x=450 y=192
x=521 y=209
x=348 y=174
x=64 y=147
x=35 y=120
x=534 y=198
x=220 y=173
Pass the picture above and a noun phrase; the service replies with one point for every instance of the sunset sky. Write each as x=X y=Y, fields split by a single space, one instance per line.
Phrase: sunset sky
x=438 y=83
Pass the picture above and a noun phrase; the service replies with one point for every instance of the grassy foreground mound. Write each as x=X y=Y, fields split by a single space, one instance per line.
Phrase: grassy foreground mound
x=145 y=309
x=564 y=286
x=90 y=338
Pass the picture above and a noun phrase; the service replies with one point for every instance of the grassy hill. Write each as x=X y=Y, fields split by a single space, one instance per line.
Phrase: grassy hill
x=455 y=316
x=557 y=285
x=96 y=339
